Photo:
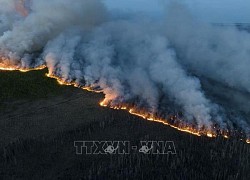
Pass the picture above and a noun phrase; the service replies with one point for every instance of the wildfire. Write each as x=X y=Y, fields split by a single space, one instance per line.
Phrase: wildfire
x=150 y=117
x=66 y=83
x=103 y=104
x=7 y=69
x=91 y=89
x=13 y=68
x=61 y=81
x=132 y=110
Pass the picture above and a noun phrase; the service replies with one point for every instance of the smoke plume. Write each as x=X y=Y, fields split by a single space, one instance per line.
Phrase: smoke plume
x=176 y=66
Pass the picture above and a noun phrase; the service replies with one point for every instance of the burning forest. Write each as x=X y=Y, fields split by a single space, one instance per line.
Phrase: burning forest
x=178 y=71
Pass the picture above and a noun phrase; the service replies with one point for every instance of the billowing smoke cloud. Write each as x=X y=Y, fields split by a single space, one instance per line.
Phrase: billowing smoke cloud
x=46 y=21
x=165 y=67
x=219 y=53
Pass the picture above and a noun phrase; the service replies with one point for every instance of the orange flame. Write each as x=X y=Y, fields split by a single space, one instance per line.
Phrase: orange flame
x=61 y=81
x=13 y=68
x=150 y=117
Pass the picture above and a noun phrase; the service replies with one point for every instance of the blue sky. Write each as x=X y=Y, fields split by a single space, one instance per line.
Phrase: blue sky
x=226 y=11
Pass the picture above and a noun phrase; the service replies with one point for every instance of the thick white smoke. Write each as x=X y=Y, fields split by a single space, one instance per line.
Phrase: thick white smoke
x=157 y=66
x=222 y=54
x=45 y=21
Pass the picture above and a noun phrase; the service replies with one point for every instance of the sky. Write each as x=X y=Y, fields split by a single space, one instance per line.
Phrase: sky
x=215 y=11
